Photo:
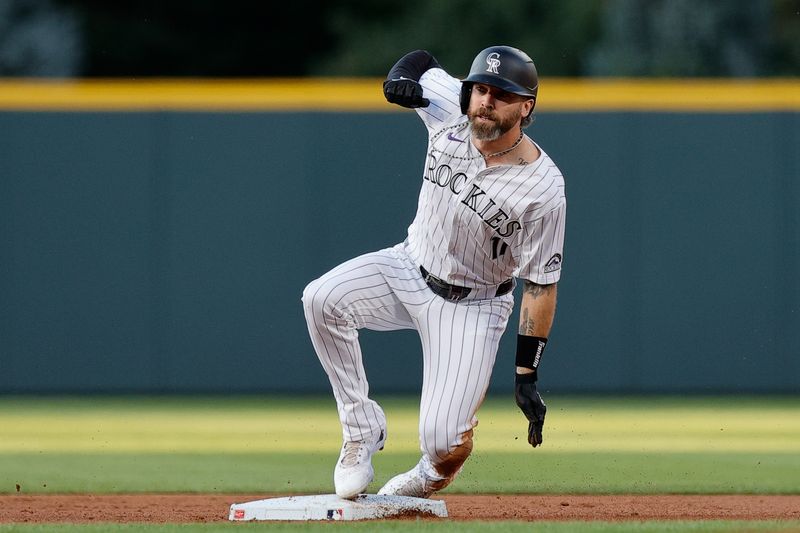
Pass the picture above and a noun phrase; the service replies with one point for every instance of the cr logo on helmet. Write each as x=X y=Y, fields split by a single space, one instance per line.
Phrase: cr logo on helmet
x=493 y=60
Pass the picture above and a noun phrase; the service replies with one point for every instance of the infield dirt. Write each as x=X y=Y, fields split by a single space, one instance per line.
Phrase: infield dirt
x=192 y=508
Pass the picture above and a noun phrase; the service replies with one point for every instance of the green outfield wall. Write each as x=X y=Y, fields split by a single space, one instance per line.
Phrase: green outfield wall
x=164 y=248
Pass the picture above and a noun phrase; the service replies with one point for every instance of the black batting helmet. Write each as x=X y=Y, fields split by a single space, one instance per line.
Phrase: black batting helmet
x=504 y=67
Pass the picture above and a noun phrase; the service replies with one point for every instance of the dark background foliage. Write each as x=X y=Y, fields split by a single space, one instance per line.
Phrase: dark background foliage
x=241 y=38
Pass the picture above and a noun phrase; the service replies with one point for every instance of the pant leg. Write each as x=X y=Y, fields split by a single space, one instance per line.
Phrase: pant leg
x=460 y=342
x=370 y=291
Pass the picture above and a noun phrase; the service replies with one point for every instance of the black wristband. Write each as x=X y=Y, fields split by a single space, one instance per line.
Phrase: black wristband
x=529 y=351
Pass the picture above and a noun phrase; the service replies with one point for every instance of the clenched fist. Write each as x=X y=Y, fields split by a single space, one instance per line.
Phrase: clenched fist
x=404 y=92
x=531 y=404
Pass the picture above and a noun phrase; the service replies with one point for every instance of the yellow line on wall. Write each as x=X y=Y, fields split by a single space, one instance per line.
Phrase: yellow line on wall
x=671 y=95
x=200 y=95
x=358 y=94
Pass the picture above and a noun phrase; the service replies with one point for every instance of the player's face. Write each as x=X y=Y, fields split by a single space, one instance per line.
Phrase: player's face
x=493 y=111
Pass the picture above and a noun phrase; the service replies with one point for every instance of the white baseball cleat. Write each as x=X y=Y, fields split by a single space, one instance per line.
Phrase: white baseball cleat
x=354 y=472
x=410 y=483
x=413 y=483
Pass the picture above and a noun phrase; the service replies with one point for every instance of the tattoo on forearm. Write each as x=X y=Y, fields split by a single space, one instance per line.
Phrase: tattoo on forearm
x=526 y=324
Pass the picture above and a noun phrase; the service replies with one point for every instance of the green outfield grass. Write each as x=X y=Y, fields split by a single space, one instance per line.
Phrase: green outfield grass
x=290 y=444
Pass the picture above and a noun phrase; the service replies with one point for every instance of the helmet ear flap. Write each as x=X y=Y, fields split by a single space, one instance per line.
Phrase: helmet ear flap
x=466 y=92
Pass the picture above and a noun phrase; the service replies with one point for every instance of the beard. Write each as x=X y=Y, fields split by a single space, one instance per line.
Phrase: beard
x=491 y=131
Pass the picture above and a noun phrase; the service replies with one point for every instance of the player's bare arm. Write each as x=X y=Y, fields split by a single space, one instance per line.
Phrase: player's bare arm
x=537 y=309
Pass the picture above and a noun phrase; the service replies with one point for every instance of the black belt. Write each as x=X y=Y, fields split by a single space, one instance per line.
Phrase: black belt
x=456 y=293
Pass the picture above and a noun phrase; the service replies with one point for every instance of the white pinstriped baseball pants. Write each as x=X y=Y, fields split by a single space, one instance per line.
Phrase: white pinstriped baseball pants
x=385 y=291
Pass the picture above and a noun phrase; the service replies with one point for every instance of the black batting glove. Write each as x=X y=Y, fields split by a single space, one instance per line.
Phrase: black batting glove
x=532 y=406
x=404 y=92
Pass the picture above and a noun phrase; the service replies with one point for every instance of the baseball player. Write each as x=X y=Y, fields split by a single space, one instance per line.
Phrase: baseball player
x=491 y=209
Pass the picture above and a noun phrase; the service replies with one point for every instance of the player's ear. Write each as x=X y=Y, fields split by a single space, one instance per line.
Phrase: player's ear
x=528 y=107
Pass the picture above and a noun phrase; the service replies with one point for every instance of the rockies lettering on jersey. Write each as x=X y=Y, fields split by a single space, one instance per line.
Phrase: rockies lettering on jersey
x=475 y=199
x=443 y=176
x=493 y=221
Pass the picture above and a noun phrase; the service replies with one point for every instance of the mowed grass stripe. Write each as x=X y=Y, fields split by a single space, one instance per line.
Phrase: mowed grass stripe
x=485 y=472
x=261 y=425
x=289 y=445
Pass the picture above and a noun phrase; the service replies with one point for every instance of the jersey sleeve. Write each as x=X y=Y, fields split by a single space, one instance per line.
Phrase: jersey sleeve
x=443 y=91
x=542 y=251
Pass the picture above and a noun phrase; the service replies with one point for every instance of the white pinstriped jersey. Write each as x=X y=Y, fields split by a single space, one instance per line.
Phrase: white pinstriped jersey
x=477 y=225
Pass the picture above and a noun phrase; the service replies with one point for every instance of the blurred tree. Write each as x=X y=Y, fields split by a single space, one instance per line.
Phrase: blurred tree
x=682 y=38
x=370 y=35
x=39 y=38
x=201 y=37
x=240 y=38
x=786 y=43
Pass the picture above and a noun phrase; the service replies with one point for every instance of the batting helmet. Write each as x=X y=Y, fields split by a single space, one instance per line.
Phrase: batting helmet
x=504 y=67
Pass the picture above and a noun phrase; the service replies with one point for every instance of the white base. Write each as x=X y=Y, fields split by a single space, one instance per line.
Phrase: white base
x=331 y=507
